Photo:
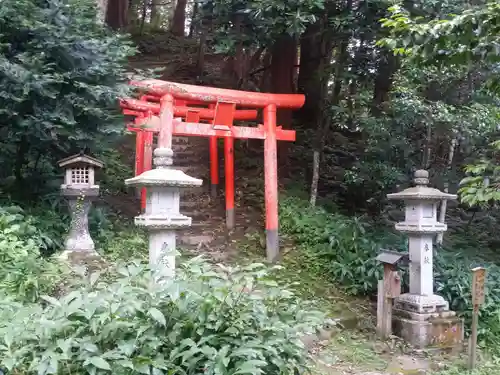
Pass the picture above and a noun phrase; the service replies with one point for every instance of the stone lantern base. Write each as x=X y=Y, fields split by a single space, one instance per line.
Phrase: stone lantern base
x=426 y=322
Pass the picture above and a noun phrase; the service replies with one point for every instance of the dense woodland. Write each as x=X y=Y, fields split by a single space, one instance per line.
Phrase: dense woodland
x=390 y=88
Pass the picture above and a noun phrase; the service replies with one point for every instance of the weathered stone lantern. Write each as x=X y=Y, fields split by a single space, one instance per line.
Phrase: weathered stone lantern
x=80 y=190
x=162 y=217
x=421 y=317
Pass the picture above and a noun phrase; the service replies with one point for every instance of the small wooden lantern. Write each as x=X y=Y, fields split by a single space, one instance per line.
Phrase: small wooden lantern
x=80 y=170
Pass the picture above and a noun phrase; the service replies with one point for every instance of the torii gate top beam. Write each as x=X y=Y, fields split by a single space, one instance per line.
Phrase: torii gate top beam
x=213 y=94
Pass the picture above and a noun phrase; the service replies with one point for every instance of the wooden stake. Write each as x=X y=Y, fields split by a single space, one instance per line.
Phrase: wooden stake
x=478 y=281
x=380 y=308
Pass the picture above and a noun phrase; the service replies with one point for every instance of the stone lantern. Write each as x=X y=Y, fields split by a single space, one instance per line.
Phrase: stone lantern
x=421 y=317
x=80 y=190
x=162 y=217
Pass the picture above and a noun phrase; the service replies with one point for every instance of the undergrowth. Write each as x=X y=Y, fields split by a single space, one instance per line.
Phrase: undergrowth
x=24 y=272
x=210 y=320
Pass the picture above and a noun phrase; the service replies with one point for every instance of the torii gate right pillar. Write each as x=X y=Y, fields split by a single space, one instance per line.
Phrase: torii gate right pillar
x=271 y=183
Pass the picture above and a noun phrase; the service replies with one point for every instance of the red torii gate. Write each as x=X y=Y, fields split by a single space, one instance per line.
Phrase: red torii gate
x=174 y=99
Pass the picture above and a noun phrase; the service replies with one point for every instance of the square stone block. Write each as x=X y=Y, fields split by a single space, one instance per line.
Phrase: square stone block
x=429 y=331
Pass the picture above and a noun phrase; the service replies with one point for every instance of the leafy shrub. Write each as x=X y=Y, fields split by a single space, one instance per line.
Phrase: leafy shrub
x=206 y=320
x=61 y=73
x=23 y=272
x=112 y=181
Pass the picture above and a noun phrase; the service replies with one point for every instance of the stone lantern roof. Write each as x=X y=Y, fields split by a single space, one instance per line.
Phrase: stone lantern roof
x=80 y=159
x=421 y=191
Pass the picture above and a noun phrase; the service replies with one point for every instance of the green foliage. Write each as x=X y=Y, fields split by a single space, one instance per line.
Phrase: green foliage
x=481 y=185
x=112 y=180
x=23 y=272
x=461 y=39
x=206 y=320
x=60 y=76
x=260 y=22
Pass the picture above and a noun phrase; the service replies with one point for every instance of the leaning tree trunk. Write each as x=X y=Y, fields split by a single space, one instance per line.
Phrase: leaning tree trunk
x=179 y=20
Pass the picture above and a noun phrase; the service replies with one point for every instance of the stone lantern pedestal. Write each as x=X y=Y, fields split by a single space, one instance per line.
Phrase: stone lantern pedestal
x=80 y=190
x=421 y=317
x=162 y=217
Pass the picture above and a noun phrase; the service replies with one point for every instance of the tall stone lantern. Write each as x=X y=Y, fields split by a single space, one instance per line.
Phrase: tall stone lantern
x=162 y=217
x=80 y=190
x=421 y=317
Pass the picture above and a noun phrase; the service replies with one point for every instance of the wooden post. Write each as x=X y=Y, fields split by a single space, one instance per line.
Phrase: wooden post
x=271 y=183
x=381 y=322
x=478 y=281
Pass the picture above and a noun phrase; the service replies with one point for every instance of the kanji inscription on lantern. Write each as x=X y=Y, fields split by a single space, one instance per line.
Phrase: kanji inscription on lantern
x=478 y=281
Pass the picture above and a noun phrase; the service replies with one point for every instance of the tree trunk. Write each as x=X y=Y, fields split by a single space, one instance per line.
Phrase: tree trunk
x=284 y=56
x=143 y=16
x=102 y=7
x=388 y=65
x=155 y=14
x=133 y=13
x=309 y=81
x=194 y=21
x=116 y=14
x=442 y=210
x=179 y=21
x=233 y=69
x=22 y=150
x=315 y=179
x=251 y=64
x=264 y=84
x=200 y=60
